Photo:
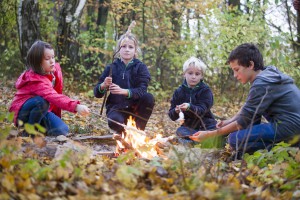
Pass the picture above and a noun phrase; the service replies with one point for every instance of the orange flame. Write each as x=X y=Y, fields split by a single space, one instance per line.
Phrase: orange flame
x=140 y=142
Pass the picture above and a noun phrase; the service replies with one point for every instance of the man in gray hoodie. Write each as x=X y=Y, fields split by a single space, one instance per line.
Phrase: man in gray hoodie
x=272 y=95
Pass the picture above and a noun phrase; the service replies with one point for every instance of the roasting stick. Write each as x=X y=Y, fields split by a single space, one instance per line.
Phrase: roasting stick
x=123 y=125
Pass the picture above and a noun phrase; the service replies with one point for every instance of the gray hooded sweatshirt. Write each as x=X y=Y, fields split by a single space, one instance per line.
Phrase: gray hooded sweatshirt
x=274 y=96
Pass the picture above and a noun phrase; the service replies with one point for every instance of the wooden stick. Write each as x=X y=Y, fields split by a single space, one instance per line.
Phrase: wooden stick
x=102 y=137
x=126 y=145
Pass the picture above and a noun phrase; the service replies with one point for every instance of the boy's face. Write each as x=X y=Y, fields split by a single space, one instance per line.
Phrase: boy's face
x=193 y=76
x=241 y=73
x=48 y=61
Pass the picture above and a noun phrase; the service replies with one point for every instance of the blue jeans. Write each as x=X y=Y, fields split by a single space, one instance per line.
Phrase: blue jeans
x=35 y=110
x=261 y=136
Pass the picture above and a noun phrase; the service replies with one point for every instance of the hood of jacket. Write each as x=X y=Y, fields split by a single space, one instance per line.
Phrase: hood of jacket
x=30 y=77
x=272 y=75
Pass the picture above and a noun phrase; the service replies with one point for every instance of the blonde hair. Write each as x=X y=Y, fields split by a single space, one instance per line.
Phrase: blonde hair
x=194 y=62
x=124 y=38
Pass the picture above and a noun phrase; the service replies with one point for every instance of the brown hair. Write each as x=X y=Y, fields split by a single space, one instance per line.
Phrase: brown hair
x=35 y=56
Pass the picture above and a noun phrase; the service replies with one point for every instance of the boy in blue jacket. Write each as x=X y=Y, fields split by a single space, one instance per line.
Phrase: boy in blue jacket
x=272 y=95
x=194 y=99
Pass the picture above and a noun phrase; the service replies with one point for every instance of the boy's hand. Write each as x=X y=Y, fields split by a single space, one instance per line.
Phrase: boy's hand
x=200 y=136
x=184 y=106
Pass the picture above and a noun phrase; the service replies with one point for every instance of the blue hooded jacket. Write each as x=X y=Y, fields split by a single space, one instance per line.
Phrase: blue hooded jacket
x=200 y=98
x=135 y=77
x=274 y=96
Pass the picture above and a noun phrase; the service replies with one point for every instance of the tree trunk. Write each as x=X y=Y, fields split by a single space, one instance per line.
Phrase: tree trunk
x=28 y=25
x=101 y=22
x=233 y=4
x=175 y=20
x=296 y=4
x=103 y=12
x=68 y=31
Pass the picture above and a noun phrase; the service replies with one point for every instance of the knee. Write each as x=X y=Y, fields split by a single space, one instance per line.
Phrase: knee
x=41 y=103
x=184 y=131
x=232 y=140
x=115 y=117
x=148 y=100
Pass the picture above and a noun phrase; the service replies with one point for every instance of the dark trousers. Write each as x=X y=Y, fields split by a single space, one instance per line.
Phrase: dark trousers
x=35 y=111
x=141 y=112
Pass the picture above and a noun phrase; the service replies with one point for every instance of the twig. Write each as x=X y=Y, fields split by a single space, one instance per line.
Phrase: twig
x=123 y=125
x=102 y=137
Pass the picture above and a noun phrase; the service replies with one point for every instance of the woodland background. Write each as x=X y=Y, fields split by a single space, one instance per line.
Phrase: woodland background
x=84 y=34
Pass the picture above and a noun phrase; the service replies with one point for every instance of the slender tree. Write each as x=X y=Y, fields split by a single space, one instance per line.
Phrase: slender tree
x=68 y=31
x=296 y=4
x=28 y=14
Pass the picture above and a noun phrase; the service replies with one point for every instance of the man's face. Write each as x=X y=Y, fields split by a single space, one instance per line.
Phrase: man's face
x=241 y=73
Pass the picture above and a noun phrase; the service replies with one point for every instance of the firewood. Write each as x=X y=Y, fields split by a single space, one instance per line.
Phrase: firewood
x=126 y=145
x=102 y=137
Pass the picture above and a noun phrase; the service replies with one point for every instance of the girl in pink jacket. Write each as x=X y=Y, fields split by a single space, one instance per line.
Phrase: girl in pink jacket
x=39 y=97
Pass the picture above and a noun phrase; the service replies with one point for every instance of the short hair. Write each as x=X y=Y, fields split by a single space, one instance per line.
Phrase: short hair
x=245 y=53
x=123 y=38
x=194 y=62
x=35 y=56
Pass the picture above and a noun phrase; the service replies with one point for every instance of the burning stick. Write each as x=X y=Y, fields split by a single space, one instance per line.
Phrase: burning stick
x=126 y=144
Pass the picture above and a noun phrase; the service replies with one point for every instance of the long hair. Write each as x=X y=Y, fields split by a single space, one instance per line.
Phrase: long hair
x=35 y=56
x=128 y=36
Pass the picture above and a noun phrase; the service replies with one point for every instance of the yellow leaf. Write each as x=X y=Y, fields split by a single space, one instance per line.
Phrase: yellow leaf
x=8 y=182
x=24 y=184
x=127 y=175
x=212 y=186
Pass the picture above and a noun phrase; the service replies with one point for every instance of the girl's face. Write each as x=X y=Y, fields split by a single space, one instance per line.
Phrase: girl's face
x=48 y=61
x=127 y=50
x=193 y=76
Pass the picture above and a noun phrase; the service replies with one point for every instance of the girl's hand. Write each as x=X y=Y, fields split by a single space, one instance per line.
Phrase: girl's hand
x=107 y=82
x=200 y=136
x=115 y=89
x=184 y=106
x=82 y=110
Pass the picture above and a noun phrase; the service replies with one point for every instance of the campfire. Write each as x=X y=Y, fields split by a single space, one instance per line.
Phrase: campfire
x=138 y=141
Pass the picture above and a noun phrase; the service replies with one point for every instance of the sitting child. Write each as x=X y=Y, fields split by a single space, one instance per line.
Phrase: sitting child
x=39 y=97
x=194 y=99
x=272 y=95
x=127 y=79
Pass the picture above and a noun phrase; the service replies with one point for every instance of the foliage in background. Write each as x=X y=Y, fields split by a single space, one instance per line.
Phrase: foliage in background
x=169 y=32
x=10 y=61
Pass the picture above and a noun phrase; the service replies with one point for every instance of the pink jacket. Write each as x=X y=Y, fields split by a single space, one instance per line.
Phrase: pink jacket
x=31 y=84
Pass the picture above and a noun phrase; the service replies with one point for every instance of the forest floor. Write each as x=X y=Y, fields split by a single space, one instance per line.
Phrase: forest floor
x=76 y=168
